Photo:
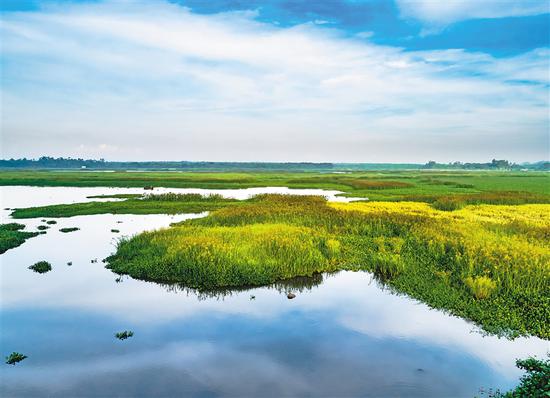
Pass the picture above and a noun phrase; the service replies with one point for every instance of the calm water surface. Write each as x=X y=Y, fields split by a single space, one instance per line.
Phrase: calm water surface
x=341 y=336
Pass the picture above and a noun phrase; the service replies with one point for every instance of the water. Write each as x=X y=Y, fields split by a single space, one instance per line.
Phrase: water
x=341 y=336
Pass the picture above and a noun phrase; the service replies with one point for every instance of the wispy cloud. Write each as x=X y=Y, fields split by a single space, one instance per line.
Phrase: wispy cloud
x=157 y=81
x=445 y=12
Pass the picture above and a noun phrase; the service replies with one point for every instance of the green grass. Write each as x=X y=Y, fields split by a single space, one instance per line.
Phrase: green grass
x=151 y=204
x=41 y=267
x=376 y=185
x=494 y=273
x=69 y=229
x=116 y=196
x=11 y=235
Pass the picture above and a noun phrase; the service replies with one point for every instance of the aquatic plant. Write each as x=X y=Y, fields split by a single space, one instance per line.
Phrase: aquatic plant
x=41 y=267
x=115 y=231
x=150 y=204
x=14 y=358
x=11 y=235
x=124 y=335
x=51 y=222
x=70 y=229
x=487 y=263
x=534 y=384
x=42 y=227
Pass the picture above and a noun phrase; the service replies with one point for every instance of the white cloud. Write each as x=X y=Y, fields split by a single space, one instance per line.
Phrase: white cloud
x=444 y=12
x=159 y=82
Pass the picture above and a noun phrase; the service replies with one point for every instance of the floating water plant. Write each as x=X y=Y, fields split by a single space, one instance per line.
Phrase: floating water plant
x=51 y=222
x=116 y=231
x=14 y=358
x=11 y=235
x=41 y=267
x=124 y=335
x=70 y=229
x=42 y=227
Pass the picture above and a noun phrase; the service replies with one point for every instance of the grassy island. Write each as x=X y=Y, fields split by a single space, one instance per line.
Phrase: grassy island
x=487 y=263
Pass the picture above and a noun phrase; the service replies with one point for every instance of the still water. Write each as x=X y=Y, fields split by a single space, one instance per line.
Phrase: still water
x=343 y=335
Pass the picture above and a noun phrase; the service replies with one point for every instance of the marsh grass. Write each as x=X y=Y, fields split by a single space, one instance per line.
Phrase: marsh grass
x=149 y=204
x=68 y=229
x=41 y=267
x=11 y=235
x=51 y=222
x=479 y=262
x=42 y=227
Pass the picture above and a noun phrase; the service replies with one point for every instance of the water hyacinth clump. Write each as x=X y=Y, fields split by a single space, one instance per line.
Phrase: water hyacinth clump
x=124 y=335
x=15 y=357
x=70 y=229
x=41 y=267
x=12 y=235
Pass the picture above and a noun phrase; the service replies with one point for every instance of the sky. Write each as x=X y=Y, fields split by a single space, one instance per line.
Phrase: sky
x=276 y=80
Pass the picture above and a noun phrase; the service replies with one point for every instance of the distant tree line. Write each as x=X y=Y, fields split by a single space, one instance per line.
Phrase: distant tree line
x=48 y=162
x=492 y=165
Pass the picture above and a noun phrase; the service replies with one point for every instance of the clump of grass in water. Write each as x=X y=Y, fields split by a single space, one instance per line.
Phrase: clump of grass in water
x=70 y=229
x=115 y=231
x=42 y=227
x=124 y=335
x=41 y=267
x=14 y=358
x=51 y=222
x=11 y=235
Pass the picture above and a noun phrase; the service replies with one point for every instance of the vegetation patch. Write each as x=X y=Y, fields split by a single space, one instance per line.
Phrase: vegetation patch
x=124 y=335
x=11 y=235
x=487 y=263
x=534 y=384
x=150 y=204
x=51 y=222
x=69 y=229
x=41 y=267
x=116 y=196
x=42 y=227
x=375 y=184
x=15 y=357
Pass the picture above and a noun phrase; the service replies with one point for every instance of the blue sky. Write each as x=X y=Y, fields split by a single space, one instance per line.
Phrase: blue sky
x=285 y=80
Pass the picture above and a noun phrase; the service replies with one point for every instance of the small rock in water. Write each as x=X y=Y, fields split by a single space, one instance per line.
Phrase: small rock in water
x=94 y=260
x=70 y=263
x=148 y=187
x=290 y=296
x=252 y=297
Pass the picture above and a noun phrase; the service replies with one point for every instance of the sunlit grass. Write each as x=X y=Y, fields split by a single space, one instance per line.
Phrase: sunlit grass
x=488 y=263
